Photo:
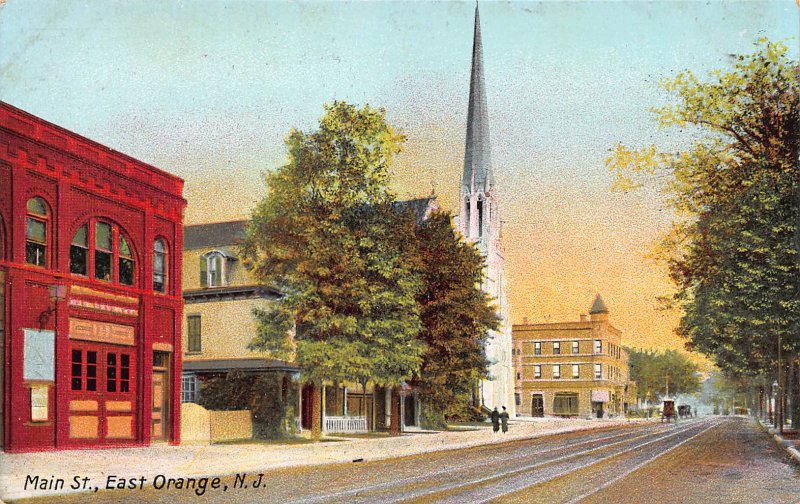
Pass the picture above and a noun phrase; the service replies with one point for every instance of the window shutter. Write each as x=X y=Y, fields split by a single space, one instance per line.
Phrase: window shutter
x=203 y=272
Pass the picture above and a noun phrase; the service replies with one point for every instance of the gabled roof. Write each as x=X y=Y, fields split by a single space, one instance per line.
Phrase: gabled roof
x=217 y=234
x=598 y=306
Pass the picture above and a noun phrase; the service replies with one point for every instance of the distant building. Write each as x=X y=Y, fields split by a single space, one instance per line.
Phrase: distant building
x=90 y=292
x=572 y=368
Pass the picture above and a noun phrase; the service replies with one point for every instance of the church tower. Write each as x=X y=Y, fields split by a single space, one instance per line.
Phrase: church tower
x=479 y=223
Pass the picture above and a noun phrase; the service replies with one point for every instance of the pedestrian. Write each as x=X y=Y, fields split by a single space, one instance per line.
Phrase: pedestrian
x=504 y=419
x=495 y=420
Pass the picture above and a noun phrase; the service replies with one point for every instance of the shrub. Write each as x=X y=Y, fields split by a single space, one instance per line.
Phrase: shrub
x=261 y=394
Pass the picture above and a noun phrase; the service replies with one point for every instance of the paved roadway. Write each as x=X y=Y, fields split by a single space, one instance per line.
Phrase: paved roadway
x=724 y=460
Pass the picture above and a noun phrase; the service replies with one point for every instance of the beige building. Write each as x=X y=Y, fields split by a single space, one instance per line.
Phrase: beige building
x=218 y=325
x=219 y=298
x=572 y=368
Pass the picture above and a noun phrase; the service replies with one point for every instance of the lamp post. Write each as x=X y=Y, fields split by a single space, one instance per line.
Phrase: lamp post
x=773 y=404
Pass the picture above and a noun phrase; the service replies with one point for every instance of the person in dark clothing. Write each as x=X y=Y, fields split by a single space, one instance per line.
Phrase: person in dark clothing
x=495 y=420
x=504 y=419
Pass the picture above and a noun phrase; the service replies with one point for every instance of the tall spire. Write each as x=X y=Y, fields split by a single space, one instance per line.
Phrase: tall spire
x=477 y=161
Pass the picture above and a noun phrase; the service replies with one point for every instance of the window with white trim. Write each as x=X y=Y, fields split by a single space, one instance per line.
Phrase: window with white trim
x=598 y=346
x=556 y=347
x=537 y=348
x=556 y=372
x=598 y=371
x=576 y=370
x=575 y=347
x=537 y=371
x=189 y=388
x=213 y=269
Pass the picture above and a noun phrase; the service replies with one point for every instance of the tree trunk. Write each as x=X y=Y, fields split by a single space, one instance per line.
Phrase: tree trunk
x=316 y=412
x=394 y=429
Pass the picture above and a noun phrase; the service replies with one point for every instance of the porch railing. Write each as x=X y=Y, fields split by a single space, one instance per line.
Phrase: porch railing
x=356 y=424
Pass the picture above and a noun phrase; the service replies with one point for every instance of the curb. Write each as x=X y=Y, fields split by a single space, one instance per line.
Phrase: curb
x=793 y=452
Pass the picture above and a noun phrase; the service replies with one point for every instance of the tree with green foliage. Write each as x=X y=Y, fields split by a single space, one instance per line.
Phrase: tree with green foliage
x=456 y=316
x=733 y=251
x=651 y=369
x=327 y=235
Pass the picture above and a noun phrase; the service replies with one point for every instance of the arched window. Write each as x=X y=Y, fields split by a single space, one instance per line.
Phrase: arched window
x=126 y=264
x=79 y=252
x=36 y=235
x=160 y=266
x=106 y=249
x=480 y=216
x=103 y=252
x=213 y=269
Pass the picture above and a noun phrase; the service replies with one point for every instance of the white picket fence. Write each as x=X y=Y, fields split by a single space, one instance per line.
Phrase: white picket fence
x=342 y=424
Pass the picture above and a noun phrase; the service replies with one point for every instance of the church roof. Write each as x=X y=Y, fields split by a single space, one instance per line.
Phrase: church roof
x=421 y=207
x=477 y=159
x=598 y=306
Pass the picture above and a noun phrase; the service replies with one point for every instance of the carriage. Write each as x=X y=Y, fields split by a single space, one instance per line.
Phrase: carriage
x=668 y=411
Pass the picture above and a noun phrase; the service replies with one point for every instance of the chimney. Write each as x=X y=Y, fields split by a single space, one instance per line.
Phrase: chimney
x=524 y=320
x=584 y=318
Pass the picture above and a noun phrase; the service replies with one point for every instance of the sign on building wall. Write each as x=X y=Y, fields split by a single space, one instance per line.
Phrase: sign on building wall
x=101 y=332
x=599 y=395
x=39 y=355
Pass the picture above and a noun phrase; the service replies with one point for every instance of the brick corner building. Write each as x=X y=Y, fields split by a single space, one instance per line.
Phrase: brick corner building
x=90 y=286
x=572 y=368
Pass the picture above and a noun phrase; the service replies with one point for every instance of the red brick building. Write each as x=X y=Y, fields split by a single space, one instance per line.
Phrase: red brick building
x=90 y=290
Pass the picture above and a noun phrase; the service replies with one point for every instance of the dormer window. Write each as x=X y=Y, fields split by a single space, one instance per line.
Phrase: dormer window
x=213 y=269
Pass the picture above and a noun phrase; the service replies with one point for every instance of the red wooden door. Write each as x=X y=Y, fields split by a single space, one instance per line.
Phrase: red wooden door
x=102 y=407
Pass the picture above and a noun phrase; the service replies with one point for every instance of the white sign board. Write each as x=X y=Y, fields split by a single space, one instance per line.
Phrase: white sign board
x=39 y=355
x=599 y=395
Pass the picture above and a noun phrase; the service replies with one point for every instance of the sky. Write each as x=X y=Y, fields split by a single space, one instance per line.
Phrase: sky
x=208 y=91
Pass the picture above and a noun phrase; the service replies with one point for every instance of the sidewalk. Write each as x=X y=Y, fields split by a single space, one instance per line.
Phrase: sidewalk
x=214 y=460
x=791 y=445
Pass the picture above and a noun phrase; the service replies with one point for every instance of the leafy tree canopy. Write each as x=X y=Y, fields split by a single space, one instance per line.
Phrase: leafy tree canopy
x=327 y=235
x=456 y=316
x=649 y=369
x=733 y=250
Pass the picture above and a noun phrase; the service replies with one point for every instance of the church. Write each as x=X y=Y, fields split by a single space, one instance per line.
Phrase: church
x=479 y=222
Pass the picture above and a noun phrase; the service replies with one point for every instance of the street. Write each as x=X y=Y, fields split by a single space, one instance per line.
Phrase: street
x=700 y=460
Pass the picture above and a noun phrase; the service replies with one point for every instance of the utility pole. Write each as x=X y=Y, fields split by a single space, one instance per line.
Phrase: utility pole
x=780 y=411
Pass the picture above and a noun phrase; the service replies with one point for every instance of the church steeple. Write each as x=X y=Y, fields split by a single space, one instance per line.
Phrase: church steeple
x=479 y=223
x=477 y=161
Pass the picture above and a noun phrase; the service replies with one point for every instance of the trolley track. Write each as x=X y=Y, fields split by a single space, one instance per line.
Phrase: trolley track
x=470 y=482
